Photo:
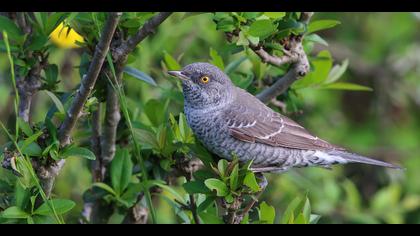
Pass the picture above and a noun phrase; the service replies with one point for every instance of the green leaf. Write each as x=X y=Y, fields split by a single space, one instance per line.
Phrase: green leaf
x=234 y=178
x=121 y=170
x=218 y=185
x=139 y=75
x=130 y=196
x=52 y=129
x=156 y=111
x=77 y=152
x=146 y=138
x=53 y=21
x=242 y=39
x=11 y=28
x=184 y=130
x=132 y=23
x=300 y=219
x=251 y=182
x=306 y=212
x=253 y=40
x=216 y=59
x=51 y=75
x=41 y=18
x=251 y=15
x=170 y=62
x=30 y=148
x=232 y=66
x=14 y=212
x=288 y=215
x=61 y=206
x=346 y=86
x=267 y=213
x=31 y=139
x=166 y=187
x=242 y=81
x=193 y=187
x=316 y=39
x=25 y=127
x=210 y=218
x=224 y=22
x=262 y=28
x=222 y=166
x=22 y=195
x=37 y=42
x=105 y=187
x=337 y=71
x=275 y=15
x=206 y=204
x=56 y=101
x=30 y=220
x=386 y=199
x=116 y=218
x=289 y=25
x=353 y=198
x=321 y=25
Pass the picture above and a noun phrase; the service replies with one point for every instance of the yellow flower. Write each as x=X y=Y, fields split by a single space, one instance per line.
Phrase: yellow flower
x=60 y=37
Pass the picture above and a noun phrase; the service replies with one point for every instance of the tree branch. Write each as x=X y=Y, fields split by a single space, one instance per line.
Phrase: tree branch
x=293 y=53
x=27 y=87
x=112 y=118
x=279 y=87
x=97 y=168
x=48 y=173
x=21 y=21
x=137 y=215
x=148 y=28
x=89 y=80
x=120 y=52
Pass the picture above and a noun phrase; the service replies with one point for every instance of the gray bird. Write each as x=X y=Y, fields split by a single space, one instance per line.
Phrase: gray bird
x=230 y=121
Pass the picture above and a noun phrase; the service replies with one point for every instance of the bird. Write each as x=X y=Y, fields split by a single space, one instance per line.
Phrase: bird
x=232 y=123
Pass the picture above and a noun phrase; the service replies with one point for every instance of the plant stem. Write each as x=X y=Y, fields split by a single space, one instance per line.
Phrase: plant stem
x=148 y=28
x=12 y=72
x=88 y=82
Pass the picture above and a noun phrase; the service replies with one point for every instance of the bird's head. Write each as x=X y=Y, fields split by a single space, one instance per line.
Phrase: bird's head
x=204 y=85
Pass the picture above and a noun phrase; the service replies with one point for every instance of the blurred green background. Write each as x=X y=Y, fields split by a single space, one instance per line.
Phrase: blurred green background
x=383 y=50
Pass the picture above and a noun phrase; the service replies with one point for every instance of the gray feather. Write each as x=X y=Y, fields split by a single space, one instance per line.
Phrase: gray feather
x=355 y=158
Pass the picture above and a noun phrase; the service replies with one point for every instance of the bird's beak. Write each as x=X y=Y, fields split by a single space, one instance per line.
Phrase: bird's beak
x=178 y=74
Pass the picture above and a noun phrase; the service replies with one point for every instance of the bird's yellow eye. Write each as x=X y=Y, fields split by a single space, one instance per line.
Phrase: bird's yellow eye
x=205 y=79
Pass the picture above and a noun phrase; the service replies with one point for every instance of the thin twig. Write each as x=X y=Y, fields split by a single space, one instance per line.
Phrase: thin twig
x=148 y=28
x=89 y=80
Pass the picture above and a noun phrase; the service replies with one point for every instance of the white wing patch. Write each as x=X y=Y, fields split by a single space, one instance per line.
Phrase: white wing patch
x=275 y=133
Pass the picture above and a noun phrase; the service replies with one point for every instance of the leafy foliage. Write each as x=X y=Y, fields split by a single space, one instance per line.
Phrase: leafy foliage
x=156 y=150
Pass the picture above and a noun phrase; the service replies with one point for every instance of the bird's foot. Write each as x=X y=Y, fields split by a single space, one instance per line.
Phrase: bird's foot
x=262 y=181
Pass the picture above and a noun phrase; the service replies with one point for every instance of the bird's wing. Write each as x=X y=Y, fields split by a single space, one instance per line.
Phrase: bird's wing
x=250 y=120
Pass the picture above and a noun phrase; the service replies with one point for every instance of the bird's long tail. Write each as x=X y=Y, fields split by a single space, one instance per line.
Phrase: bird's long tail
x=355 y=158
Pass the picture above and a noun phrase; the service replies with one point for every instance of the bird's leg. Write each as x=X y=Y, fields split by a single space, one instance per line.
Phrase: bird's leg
x=263 y=184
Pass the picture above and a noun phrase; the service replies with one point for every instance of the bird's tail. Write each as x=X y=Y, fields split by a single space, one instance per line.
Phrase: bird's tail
x=355 y=158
